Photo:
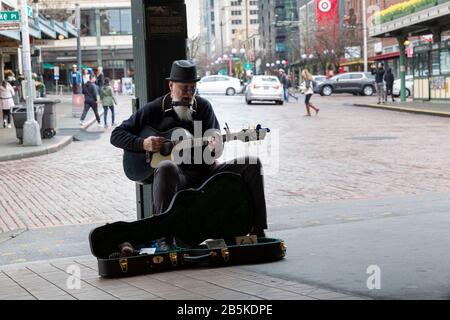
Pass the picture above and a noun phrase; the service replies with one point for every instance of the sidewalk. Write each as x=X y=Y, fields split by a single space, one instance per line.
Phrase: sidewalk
x=57 y=280
x=426 y=107
x=11 y=149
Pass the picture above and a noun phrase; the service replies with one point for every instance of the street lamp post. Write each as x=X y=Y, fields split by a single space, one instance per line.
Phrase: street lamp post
x=78 y=22
x=364 y=8
x=31 y=130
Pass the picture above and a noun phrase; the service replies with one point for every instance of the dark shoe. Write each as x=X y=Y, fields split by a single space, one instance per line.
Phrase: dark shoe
x=378 y=102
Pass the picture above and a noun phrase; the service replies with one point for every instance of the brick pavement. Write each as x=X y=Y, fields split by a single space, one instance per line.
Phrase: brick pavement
x=345 y=153
x=52 y=280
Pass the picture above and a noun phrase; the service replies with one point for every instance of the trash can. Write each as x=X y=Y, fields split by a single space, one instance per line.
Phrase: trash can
x=20 y=117
x=49 y=117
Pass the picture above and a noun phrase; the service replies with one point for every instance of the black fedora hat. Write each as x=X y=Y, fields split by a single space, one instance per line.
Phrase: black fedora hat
x=183 y=71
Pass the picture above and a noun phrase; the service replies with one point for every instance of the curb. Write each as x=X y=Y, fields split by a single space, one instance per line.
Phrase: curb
x=405 y=109
x=66 y=140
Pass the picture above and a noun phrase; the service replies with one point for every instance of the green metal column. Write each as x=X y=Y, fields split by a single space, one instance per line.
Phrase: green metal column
x=401 y=42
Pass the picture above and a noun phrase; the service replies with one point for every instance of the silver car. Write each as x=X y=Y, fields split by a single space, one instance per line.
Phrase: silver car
x=264 y=88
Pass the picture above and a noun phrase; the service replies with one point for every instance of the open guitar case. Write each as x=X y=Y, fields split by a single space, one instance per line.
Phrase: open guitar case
x=219 y=209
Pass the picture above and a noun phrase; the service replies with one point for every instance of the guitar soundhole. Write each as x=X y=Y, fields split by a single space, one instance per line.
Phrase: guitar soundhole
x=166 y=149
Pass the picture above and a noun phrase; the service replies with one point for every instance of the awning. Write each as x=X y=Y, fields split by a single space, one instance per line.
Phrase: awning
x=48 y=65
x=387 y=56
x=354 y=62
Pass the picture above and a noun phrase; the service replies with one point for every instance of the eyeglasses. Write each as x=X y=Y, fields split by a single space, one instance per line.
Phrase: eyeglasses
x=188 y=89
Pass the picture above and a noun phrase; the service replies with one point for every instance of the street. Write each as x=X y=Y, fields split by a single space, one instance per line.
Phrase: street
x=341 y=175
x=345 y=153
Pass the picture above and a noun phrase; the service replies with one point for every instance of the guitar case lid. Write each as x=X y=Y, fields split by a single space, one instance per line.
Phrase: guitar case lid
x=220 y=209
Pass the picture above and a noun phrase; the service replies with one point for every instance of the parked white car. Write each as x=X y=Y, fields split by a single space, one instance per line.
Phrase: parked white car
x=264 y=88
x=409 y=86
x=219 y=84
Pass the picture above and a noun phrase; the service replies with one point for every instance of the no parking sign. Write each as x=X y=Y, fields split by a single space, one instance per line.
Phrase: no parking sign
x=56 y=73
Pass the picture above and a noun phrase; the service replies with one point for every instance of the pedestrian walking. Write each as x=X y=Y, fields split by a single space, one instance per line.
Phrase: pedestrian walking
x=7 y=102
x=379 y=76
x=389 y=80
x=100 y=81
x=309 y=84
x=108 y=101
x=284 y=81
x=75 y=80
x=90 y=100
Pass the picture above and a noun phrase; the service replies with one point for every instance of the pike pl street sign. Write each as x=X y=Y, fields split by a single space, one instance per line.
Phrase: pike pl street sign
x=9 y=16
x=10 y=20
x=13 y=16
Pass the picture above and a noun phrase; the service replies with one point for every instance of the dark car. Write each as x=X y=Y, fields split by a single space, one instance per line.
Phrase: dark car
x=353 y=82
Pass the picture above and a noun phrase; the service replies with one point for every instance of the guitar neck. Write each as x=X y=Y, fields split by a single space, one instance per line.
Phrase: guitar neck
x=200 y=142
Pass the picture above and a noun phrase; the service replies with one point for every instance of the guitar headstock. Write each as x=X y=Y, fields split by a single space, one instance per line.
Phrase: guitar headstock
x=247 y=135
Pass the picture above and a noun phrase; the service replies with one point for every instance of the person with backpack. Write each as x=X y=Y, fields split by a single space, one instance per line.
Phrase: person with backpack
x=90 y=100
x=108 y=101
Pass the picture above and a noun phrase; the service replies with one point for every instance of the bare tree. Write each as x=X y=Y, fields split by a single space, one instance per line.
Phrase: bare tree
x=194 y=46
x=60 y=10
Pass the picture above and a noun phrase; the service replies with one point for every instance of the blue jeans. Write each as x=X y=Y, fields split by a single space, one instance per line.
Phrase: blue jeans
x=105 y=114
x=286 y=94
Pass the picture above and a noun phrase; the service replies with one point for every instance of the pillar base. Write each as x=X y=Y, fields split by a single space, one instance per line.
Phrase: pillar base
x=31 y=134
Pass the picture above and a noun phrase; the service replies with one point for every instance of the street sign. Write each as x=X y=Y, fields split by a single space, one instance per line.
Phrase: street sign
x=56 y=71
x=248 y=66
x=8 y=26
x=223 y=72
x=9 y=16
x=30 y=11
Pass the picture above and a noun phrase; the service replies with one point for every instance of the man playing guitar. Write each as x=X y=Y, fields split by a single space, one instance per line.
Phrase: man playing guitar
x=182 y=109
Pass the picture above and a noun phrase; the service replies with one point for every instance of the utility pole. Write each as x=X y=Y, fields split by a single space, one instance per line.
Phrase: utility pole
x=31 y=130
x=98 y=37
x=221 y=38
x=246 y=21
x=364 y=9
x=78 y=21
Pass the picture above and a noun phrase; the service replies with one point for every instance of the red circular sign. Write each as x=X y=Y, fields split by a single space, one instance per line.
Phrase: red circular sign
x=325 y=5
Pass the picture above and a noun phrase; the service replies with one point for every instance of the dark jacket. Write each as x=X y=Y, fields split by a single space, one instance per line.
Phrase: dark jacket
x=284 y=81
x=100 y=82
x=152 y=114
x=389 y=78
x=90 y=92
x=379 y=74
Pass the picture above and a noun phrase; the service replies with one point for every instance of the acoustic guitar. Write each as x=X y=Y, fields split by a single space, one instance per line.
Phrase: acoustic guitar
x=139 y=166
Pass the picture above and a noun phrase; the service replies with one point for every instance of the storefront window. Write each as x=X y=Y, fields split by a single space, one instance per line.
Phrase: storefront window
x=88 y=23
x=445 y=61
x=435 y=61
x=115 y=21
x=421 y=65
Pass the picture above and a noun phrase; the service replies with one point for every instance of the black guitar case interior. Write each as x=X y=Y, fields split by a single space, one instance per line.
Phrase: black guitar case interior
x=219 y=209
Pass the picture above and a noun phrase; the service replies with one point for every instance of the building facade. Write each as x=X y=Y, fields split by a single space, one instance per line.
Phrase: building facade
x=228 y=25
x=39 y=27
x=106 y=41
